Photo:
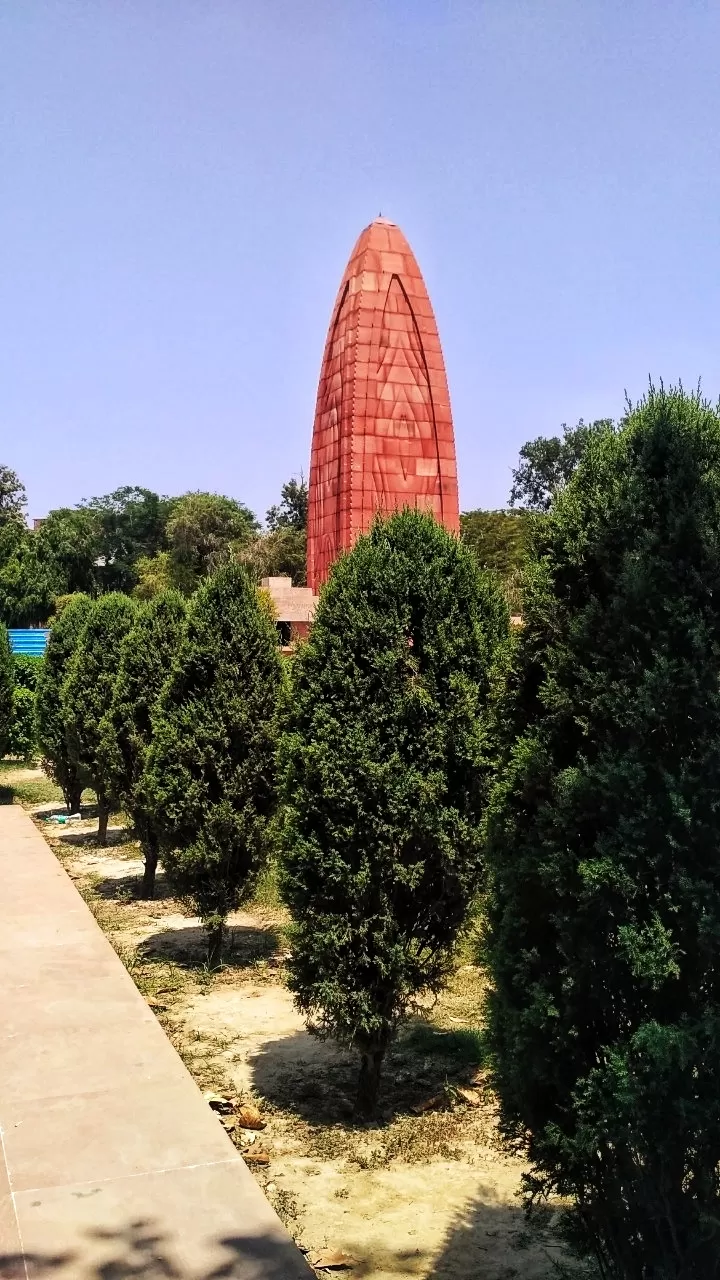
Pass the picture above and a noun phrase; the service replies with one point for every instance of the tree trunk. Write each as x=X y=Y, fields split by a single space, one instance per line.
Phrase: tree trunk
x=371 y=1061
x=150 y=851
x=74 y=798
x=215 y=940
x=103 y=815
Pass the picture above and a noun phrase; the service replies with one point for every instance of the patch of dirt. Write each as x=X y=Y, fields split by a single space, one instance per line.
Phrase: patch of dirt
x=428 y=1191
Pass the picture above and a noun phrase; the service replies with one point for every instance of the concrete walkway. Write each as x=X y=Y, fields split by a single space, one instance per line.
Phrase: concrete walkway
x=114 y=1166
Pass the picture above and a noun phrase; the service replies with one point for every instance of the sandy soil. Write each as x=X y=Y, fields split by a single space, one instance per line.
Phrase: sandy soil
x=426 y=1195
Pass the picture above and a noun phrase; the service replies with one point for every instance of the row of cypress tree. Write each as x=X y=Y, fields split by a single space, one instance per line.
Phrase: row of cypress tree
x=413 y=755
x=365 y=762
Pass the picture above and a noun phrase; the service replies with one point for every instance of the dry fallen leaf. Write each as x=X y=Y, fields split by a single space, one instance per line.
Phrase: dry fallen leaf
x=332 y=1260
x=471 y=1096
x=248 y=1117
x=429 y=1104
x=255 y=1157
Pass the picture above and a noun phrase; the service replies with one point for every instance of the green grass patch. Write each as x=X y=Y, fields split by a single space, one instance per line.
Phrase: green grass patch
x=266 y=892
x=30 y=786
x=464 y=1048
x=37 y=791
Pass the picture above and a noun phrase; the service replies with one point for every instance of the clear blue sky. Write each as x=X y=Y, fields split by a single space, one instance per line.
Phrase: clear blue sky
x=183 y=180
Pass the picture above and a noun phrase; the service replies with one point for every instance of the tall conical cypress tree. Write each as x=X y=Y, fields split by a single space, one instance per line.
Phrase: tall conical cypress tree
x=146 y=656
x=384 y=779
x=52 y=735
x=88 y=688
x=604 y=844
x=210 y=774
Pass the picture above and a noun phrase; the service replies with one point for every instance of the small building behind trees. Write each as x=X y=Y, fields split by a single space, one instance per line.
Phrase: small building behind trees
x=294 y=608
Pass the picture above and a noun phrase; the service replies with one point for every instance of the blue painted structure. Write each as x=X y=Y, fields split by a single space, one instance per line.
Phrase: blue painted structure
x=29 y=640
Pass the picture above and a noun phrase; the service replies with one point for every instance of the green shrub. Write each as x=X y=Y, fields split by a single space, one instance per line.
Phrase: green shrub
x=145 y=658
x=22 y=742
x=7 y=685
x=87 y=692
x=27 y=669
x=603 y=836
x=210 y=777
x=51 y=727
x=385 y=773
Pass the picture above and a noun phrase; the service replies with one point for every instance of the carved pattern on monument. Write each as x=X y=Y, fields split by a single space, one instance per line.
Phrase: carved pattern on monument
x=405 y=413
x=324 y=511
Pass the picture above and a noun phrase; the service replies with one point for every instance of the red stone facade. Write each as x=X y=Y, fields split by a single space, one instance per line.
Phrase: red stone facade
x=383 y=434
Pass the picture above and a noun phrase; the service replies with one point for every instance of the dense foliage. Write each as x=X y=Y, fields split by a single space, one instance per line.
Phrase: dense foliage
x=210 y=777
x=28 y=583
x=7 y=685
x=27 y=669
x=87 y=693
x=292 y=511
x=499 y=541
x=22 y=740
x=129 y=523
x=385 y=772
x=70 y=542
x=13 y=498
x=547 y=463
x=22 y=743
x=146 y=655
x=58 y=763
x=135 y=541
x=204 y=531
x=603 y=836
x=282 y=551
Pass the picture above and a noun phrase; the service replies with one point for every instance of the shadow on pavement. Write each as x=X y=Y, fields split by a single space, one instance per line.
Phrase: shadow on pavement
x=141 y=1252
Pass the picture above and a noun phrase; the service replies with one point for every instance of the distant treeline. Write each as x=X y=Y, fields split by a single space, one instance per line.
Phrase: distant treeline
x=140 y=543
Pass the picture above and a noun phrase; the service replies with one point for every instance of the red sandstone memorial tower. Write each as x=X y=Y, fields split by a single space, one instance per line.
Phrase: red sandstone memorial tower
x=383 y=434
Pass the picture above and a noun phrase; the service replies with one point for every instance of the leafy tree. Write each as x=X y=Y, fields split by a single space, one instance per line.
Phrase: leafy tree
x=7 y=686
x=547 y=463
x=154 y=575
x=602 y=837
x=27 y=583
x=88 y=689
x=292 y=513
x=384 y=777
x=13 y=498
x=210 y=773
x=69 y=540
x=132 y=524
x=145 y=658
x=498 y=539
x=51 y=726
x=203 y=531
x=279 y=554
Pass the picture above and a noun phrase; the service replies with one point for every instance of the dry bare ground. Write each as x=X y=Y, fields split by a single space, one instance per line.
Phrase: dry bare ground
x=428 y=1191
